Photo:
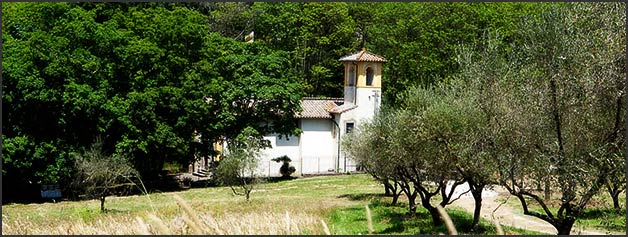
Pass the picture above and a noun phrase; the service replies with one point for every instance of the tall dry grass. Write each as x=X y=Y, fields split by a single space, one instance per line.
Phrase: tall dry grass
x=186 y=221
x=190 y=221
x=450 y=224
x=369 y=220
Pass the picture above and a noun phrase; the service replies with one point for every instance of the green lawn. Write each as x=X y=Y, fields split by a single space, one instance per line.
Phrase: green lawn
x=288 y=207
x=389 y=219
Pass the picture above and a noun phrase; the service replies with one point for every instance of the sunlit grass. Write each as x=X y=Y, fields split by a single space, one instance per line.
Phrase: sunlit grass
x=306 y=200
x=389 y=219
x=339 y=201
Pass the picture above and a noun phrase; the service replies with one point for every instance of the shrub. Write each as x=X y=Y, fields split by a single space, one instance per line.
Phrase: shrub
x=286 y=169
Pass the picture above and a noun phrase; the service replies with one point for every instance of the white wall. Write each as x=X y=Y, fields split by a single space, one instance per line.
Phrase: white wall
x=280 y=146
x=313 y=152
x=346 y=164
x=318 y=151
x=366 y=101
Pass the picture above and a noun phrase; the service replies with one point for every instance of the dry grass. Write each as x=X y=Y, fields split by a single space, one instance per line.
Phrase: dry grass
x=301 y=206
x=369 y=220
x=188 y=221
x=262 y=223
x=498 y=227
x=326 y=229
x=291 y=207
x=448 y=222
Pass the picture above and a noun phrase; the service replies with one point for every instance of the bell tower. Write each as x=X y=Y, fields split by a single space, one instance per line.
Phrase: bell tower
x=363 y=81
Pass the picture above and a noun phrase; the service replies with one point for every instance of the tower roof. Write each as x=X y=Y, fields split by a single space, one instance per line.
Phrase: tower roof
x=362 y=56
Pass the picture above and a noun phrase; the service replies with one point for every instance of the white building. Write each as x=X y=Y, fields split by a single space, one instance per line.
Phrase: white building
x=325 y=121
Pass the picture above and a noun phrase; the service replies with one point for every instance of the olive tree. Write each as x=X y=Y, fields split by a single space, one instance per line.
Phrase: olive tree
x=427 y=166
x=99 y=175
x=557 y=116
x=605 y=37
x=400 y=146
x=460 y=128
x=238 y=168
x=435 y=141
x=474 y=94
x=364 y=145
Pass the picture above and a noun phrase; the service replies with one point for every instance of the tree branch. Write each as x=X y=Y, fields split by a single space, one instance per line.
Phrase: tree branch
x=539 y=201
x=447 y=197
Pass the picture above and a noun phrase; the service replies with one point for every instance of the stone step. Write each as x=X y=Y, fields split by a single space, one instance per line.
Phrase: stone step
x=199 y=174
x=203 y=172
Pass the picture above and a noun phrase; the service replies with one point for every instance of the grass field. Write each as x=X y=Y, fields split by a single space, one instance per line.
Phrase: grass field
x=598 y=215
x=300 y=206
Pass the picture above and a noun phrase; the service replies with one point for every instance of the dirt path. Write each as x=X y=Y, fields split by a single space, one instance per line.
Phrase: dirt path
x=509 y=216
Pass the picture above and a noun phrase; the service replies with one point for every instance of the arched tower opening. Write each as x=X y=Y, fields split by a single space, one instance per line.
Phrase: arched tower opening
x=369 y=76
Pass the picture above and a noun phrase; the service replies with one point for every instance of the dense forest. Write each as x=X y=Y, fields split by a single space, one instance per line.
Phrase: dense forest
x=145 y=78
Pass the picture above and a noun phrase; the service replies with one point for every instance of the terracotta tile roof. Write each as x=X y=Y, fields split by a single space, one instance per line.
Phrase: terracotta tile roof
x=363 y=56
x=318 y=107
x=342 y=108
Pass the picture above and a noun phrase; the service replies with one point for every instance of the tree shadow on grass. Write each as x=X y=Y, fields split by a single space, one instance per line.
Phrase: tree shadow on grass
x=363 y=196
x=116 y=211
x=397 y=220
x=463 y=222
x=278 y=179
x=596 y=213
x=422 y=222
x=605 y=218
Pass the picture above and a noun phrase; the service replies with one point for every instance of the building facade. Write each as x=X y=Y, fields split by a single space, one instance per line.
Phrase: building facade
x=325 y=121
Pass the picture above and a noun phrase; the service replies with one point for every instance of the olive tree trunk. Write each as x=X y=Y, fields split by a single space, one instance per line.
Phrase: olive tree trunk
x=102 y=203
x=476 y=192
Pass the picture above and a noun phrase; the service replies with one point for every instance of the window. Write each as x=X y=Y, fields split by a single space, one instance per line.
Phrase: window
x=349 y=127
x=351 y=76
x=369 y=76
x=286 y=140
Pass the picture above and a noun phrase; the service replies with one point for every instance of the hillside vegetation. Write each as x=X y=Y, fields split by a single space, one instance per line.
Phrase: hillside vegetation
x=147 y=78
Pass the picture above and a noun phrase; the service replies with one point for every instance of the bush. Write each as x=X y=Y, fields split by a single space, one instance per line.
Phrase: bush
x=286 y=170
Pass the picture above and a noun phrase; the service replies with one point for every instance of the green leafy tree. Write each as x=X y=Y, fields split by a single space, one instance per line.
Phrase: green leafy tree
x=252 y=89
x=36 y=143
x=229 y=19
x=315 y=34
x=143 y=76
x=419 y=40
